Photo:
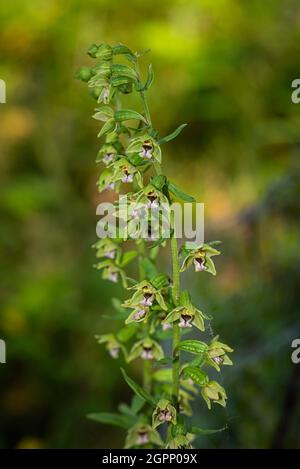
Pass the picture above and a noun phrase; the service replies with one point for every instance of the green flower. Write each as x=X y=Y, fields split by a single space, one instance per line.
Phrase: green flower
x=125 y=172
x=145 y=295
x=111 y=272
x=181 y=442
x=187 y=316
x=214 y=392
x=144 y=148
x=200 y=256
x=113 y=346
x=216 y=354
x=139 y=314
x=107 y=248
x=147 y=349
x=141 y=435
x=164 y=412
x=107 y=154
x=102 y=52
x=153 y=198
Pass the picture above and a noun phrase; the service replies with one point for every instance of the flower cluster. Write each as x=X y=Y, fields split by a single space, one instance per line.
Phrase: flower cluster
x=154 y=310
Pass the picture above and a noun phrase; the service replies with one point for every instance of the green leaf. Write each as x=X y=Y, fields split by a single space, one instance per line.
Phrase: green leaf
x=126 y=333
x=139 y=391
x=203 y=431
x=159 y=181
x=160 y=281
x=149 y=80
x=127 y=114
x=197 y=375
x=116 y=420
x=107 y=127
x=128 y=257
x=123 y=70
x=149 y=267
x=192 y=346
x=120 y=49
x=172 y=135
x=136 y=404
x=179 y=193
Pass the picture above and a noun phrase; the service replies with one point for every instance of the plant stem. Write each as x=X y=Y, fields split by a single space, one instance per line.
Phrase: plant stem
x=176 y=328
x=143 y=96
x=147 y=374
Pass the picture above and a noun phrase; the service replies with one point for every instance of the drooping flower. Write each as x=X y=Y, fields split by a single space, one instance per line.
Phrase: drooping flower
x=145 y=295
x=200 y=256
x=216 y=354
x=145 y=148
x=164 y=412
x=113 y=346
x=147 y=349
x=107 y=154
x=181 y=441
x=138 y=315
x=142 y=434
x=187 y=316
x=105 y=247
x=214 y=392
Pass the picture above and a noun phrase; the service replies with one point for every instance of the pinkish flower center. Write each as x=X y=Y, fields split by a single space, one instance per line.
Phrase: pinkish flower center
x=185 y=321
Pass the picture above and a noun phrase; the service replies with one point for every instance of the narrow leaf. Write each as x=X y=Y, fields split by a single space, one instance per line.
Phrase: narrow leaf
x=112 y=419
x=179 y=193
x=139 y=391
x=128 y=257
x=197 y=375
x=173 y=135
x=192 y=346
x=127 y=114
x=203 y=431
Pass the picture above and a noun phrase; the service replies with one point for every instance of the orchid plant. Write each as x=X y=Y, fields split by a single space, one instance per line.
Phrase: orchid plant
x=155 y=309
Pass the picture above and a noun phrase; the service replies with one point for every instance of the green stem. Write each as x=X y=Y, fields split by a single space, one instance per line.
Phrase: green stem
x=176 y=328
x=143 y=96
x=147 y=372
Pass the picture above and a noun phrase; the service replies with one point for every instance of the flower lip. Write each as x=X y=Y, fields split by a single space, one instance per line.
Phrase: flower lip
x=111 y=254
x=147 y=353
x=140 y=314
x=199 y=264
x=219 y=360
x=165 y=415
x=147 y=300
x=108 y=157
x=142 y=438
x=113 y=277
x=114 y=352
x=147 y=149
x=185 y=321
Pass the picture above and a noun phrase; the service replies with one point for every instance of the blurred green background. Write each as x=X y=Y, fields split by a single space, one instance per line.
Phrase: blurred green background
x=223 y=66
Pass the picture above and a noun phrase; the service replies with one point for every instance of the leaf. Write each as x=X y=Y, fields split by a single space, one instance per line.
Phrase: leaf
x=120 y=49
x=123 y=70
x=172 y=135
x=126 y=333
x=136 y=404
x=107 y=127
x=127 y=114
x=160 y=281
x=163 y=362
x=128 y=257
x=203 y=431
x=179 y=193
x=159 y=181
x=149 y=80
x=197 y=375
x=149 y=268
x=139 y=391
x=117 y=420
x=192 y=346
